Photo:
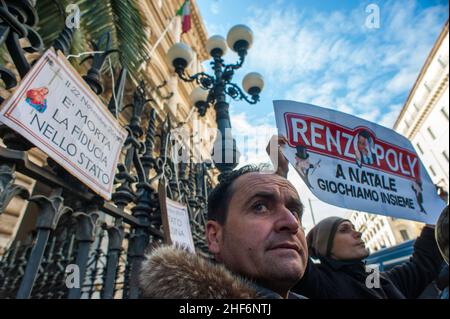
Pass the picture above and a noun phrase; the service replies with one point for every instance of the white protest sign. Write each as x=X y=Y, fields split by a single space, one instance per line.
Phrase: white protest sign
x=352 y=163
x=56 y=111
x=179 y=226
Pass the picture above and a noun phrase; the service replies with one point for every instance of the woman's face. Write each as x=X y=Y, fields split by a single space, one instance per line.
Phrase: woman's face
x=347 y=244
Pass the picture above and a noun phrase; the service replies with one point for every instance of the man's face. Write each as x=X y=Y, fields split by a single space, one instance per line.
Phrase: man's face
x=363 y=145
x=347 y=244
x=262 y=237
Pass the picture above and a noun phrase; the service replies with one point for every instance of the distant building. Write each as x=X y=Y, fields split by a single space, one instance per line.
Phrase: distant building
x=380 y=232
x=424 y=119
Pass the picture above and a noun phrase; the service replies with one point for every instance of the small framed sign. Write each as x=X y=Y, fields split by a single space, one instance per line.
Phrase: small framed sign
x=176 y=224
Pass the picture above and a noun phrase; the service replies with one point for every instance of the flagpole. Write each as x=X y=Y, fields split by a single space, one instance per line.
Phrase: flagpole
x=157 y=43
x=183 y=11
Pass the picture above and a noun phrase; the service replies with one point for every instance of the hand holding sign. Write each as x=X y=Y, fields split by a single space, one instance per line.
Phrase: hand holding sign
x=279 y=161
x=359 y=165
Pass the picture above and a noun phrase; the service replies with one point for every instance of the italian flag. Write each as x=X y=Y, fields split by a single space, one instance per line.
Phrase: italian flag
x=185 y=13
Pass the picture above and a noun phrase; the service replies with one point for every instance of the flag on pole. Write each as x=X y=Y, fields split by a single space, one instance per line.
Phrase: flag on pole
x=185 y=13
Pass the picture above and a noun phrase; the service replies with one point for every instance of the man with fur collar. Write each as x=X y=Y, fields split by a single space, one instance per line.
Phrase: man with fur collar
x=254 y=232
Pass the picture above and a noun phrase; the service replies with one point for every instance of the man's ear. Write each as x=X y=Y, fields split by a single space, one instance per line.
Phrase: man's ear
x=214 y=236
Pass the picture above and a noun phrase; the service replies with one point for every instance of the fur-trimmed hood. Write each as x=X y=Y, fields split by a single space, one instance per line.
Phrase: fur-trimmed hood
x=173 y=273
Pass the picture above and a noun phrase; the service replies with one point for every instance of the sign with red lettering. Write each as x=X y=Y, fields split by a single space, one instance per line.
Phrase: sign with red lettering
x=352 y=163
x=56 y=111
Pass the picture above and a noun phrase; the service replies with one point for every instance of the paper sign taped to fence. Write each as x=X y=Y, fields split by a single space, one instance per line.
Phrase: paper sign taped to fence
x=56 y=111
x=352 y=163
x=179 y=225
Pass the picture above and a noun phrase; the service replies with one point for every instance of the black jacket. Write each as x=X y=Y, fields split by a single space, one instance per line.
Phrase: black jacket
x=347 y=280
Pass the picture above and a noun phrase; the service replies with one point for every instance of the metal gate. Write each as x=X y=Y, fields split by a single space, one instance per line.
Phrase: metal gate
x=105 y=241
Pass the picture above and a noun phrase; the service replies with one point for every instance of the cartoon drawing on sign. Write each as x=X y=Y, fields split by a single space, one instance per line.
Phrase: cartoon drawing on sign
x=363 y=145
x=418 y=190
x=37 y=98
x=303 y=164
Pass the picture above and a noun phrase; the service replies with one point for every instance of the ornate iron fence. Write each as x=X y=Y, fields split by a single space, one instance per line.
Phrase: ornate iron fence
x=107 y=241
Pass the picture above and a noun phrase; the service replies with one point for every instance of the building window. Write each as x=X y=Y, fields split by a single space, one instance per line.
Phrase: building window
x=431 y=133
x=419 y=148
x=404 y=234
x=444 y=111
x=407 y=124
x=441 y=61
x=444 y=153
x=432 y=171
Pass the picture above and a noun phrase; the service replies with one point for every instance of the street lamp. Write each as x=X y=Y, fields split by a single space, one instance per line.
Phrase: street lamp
x=213 y=89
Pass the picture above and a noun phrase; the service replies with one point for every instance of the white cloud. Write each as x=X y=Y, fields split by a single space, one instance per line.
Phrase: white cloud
x=334 y=61
x=401 y=82
x=215 y=7
x=370 y=115
x=251 y=139
x=388 y=119
x=215 y=29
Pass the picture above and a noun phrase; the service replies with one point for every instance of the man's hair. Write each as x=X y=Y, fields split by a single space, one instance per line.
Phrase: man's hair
x=219 y=198
x=365 y=134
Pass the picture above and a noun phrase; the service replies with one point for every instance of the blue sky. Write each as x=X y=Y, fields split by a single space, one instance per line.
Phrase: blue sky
x=321 y=52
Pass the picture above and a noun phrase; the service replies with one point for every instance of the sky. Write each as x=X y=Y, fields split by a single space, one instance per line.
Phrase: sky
x=323 y=52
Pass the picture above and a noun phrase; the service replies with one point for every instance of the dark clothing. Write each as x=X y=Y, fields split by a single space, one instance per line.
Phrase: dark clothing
x=265 y=293
x=442 y=281
x=334 y=279
x=435 y=290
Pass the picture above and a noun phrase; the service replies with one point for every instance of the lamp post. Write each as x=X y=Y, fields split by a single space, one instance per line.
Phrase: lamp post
x=213 y=89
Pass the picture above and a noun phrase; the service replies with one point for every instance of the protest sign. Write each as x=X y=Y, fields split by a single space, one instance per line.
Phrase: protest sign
x=352 y=163
x=56 y=111
x=175 y=218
